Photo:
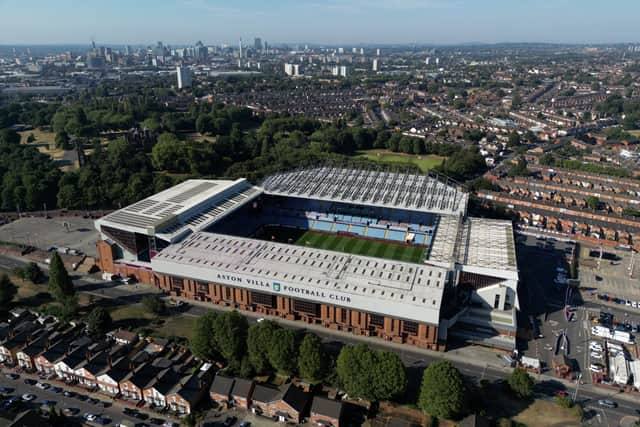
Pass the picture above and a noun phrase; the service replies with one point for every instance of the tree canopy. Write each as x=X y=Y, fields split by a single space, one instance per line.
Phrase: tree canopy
x=8 y=292
x=202 y=342
x=99 y=322
x=442 y=393
x=521 y=383
x=374 y=375
x=283 y=351
x=258 y=343
x=312 y=360
x=60 y=284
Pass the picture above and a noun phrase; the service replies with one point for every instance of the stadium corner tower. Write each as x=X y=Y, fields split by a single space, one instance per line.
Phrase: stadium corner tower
x=376 y=253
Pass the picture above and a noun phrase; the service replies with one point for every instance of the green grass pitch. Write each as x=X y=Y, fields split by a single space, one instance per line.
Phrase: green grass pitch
x=363 y=247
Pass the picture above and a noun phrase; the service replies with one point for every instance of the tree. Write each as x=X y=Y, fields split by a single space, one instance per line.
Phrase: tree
x=230 y=331
x=202 y=341
x=258 y=343
x=8 y=292
x=442 y=392
x=31 y=272
x=519 y=168
x=389 y=378
x=67 y=308
x=31 y=137
x=9 y=137
x=312 y=360
x=374 y=375
x=60 y=284
x=99 y=322
x=514 y=139
x=153 y=304
x=62 y=140
x=521 y=383
x=170 y=153
x=593 y=202
x=283 y=354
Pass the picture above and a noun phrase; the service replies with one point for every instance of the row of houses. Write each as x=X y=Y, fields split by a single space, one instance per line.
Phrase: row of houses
x=288 y=403
x=118 y=365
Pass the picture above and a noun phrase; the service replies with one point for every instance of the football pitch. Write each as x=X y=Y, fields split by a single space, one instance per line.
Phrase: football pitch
x=363 y=247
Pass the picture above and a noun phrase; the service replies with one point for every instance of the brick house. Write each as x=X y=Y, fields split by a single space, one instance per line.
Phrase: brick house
x=286 y=405
x=189 y=391
x=326 y=412
x=108 y=381
x=241 y=393
x=220 y=391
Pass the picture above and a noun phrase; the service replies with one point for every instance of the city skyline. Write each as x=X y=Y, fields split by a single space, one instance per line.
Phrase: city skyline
x=319 y=22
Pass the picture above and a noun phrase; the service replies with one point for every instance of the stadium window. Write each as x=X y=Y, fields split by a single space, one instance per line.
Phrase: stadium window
x=343 y=315
x=410 y=328
x=496 y=302
x=434 y=302
x=376 y=320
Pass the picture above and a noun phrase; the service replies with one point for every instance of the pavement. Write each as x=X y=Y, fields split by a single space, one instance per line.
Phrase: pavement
x=79 y=234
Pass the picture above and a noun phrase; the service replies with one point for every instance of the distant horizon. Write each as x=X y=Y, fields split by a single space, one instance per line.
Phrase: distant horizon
x=320 y=22
x=346 y=45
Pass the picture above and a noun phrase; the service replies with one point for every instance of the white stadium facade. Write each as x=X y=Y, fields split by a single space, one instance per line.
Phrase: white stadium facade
x=377 y=253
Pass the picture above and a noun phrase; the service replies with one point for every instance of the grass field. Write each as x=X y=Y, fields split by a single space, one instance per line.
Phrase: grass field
x=357 y=246
x=635 y=132
x=424 y=162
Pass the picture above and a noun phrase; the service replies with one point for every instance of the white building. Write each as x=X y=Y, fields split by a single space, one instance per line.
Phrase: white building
x=292 y=70
x=340 y=71
x=375 y=65
x=184 y=77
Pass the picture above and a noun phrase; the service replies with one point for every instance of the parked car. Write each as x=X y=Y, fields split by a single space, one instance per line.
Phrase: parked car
x=28 y=397
x=6 y=390
x=42 y=386
x=70 y=412
x=12 y=376
x=68 y=393
x=29 y=381
x=55 y=389
x=230 y=421
x=607 y=403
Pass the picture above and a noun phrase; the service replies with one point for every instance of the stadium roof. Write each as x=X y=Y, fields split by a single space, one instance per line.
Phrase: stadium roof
x=408 y=191
x=410 y=291
x=191 y=205
x=487 y=246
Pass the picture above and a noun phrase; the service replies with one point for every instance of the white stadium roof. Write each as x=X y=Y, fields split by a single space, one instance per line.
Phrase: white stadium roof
x=487 y=246
x=411 y=291
x=422 y=193
x=189 y=206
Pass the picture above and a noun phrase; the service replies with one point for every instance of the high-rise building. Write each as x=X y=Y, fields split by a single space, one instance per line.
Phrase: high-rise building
x=361 y=51
x=426 y=61
x=184 y=77
x=378 y=52
x=340 y=71
x=257 y=43
x=293 y=70
x=375 y=65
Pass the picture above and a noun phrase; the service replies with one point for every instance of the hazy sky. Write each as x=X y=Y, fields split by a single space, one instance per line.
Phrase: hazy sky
x=318 y=21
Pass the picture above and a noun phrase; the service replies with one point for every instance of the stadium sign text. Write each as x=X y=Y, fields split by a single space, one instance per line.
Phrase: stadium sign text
x=282 y=288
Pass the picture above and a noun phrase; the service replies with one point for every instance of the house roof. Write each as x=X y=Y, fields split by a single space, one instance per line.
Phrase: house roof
x=327 y=407
x=265 y=394
x=222 y=385
x=242 y=388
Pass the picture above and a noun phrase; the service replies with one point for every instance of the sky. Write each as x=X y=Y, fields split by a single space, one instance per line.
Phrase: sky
x=318 y=21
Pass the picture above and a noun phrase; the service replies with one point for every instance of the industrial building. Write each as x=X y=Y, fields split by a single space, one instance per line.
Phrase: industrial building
x=371 y=252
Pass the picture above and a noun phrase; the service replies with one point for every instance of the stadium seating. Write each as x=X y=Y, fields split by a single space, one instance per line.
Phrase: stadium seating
x=396 y=235
x=375 y=232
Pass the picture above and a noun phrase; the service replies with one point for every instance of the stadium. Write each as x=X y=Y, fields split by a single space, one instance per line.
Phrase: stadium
x=372 y=252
